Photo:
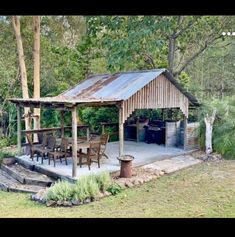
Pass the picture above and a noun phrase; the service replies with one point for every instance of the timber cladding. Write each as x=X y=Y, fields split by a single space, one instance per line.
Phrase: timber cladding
x=159 y=93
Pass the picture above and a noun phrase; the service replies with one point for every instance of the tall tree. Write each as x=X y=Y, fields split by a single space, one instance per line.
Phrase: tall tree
x=23 y=73
x=36 y=74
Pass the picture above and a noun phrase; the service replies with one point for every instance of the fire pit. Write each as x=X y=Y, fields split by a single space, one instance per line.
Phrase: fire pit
x=126 y=164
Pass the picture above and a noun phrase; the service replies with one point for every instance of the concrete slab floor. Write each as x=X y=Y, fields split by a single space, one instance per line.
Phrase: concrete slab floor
x=143 y=154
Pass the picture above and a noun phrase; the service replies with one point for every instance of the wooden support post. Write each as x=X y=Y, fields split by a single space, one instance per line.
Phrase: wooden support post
x=121 y=134
x=74 y=142
x=62 y=122
x=87 y=134
x=185 y=132
x=18 y=130
x=103 y=131
x=137 y=129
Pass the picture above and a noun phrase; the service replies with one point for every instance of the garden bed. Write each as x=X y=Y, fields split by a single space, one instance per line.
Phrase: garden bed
x=90 y=187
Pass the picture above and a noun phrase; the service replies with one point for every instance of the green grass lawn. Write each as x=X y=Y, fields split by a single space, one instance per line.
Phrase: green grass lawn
x=203 y=190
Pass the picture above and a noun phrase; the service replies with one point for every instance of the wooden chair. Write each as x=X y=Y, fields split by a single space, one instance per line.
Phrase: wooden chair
x=34 y=147
x=92 y=155
x=61 y=153
x=43 y=151
x=104 y=138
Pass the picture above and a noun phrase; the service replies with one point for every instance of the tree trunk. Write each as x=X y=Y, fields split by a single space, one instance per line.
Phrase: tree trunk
x=24 y=82
x=209 y=127
x=171 y=54
x=36 y=75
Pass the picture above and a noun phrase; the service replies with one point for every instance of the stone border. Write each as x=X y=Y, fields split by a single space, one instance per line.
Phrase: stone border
x=40 y=198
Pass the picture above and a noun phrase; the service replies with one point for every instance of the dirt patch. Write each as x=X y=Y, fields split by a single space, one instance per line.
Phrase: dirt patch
x=201 y=155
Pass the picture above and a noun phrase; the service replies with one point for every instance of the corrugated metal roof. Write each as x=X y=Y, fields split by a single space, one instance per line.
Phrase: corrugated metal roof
x=119 y=86
x=109 y=88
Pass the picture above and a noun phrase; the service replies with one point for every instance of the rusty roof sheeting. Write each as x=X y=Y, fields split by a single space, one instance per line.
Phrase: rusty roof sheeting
x=119 y=86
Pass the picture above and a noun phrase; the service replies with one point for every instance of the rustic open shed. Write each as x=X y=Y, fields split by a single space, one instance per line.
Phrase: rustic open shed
x=150 y=89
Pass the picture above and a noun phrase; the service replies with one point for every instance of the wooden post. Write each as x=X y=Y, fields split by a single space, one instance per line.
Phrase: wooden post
x=62 y=122
x=74 y=142
x=121 y=134
x=103 y=131
x=185 y=132
x=137 y=129
x=36 y=72
x=18 y=130
x=87 y=134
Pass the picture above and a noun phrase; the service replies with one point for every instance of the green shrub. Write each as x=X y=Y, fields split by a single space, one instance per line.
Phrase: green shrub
x=114 y=188
x=223 y=137
x=93 y=188
x=86 y=187
x=80 y=191
x=104 y=181
x=61 y=191
x=4 y=142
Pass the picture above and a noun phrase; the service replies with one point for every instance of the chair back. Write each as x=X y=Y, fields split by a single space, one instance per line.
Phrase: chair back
x=94 y=148
x=44 y=140
x=104 y=138
x=51 y=142
x=64 y=144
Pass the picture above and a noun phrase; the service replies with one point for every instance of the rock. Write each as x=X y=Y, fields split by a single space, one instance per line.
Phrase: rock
x=129 y=184
x=50 y=203
x=44 y=201
x=134 y=173
x=100 y=195
x=40 y=196
x=106 y=193
x=157 y=172
x=75 y=202
x=141 y=181
x=121 y=183
x=9 y=160
x=161 y=173
x=67 y=203
x=87 y=200
x=59 y=203
x=135 y=182
x=147 y=179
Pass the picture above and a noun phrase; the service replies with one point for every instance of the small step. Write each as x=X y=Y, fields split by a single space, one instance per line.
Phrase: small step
x=26 y=176
x=8 y=183
x=6 y=180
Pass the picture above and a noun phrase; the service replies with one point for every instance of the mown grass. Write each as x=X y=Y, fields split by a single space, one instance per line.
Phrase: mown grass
x=203 y=190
